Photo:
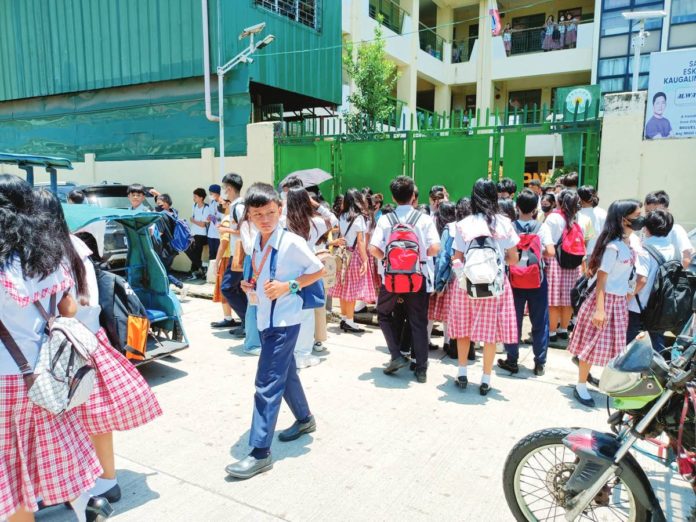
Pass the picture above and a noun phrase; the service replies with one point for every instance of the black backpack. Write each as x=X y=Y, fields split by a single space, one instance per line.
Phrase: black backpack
x=118 y=302
x=669 y=305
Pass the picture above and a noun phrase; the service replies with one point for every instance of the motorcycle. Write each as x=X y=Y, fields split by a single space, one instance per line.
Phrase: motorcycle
x=582 y=474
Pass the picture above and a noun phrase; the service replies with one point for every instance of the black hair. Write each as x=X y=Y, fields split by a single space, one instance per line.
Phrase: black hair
x=658 y=197
x=337 y=206
x=49 y=205
x=446 y=213
x=484 y=200
x=659 y=94
x=233 y=180
x=534 y=183
x=200 y=192
x=89 y=240
x=507 y=208
x=387 y=209
x=76 y=196
x=568 y=203
x=548 y=198
x=527 y=201
x=293 y=182
x=402 y=189
x=423 y=209
x=659 y=222
x=369 y=206
x=613 y=229
x=463 y=208
x=570 y=180
x=166 y=198
x=353 y=204
x=435 y=189
x=588 y=194
x=507 y=185
x=25 y=233
x=300 y=212
x=136 y=188
x=260 y=195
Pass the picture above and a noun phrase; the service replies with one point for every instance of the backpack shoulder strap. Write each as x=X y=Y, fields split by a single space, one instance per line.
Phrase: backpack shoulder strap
x=655 y=254
x=233 y=212
x=274 y=255
x=393 y=220
x=14 y=350
x=413 y=217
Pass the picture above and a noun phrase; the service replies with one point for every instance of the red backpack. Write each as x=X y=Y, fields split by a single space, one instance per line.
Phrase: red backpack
x=528 y=273
x=570 y=249
x=402 y=259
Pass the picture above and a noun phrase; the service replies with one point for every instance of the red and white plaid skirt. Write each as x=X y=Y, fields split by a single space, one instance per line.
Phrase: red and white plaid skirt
x=438 y=305
x=121 y=399
x=561 y=282
x=41 y=455
x=597 y=346
x=355 y=287
x=458 y=303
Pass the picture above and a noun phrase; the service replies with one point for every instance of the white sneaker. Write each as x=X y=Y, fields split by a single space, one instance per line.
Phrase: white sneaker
x=319 y=347
x=256 y=350
x=307 y=361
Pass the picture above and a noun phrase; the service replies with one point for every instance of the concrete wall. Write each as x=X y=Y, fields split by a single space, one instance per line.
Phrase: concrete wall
x=630 y=167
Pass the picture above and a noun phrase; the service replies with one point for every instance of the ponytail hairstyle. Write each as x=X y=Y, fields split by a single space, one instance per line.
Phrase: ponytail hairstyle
x=568 y=202
x=300 y=212
x=484 y=200
x=613 y=229
x=588 y=194
x=353 y=205
x=48 y=204
x=446 y=214
x=369 y=206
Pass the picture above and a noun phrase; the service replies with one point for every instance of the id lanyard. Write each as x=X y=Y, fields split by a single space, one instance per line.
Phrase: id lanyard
x=256 y=272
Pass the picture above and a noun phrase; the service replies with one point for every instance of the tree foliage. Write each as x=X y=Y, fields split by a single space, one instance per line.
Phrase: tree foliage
x=375 y=78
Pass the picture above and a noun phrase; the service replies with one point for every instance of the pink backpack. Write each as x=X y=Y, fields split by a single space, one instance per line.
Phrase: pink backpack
x=570 y=249
x=402 y=259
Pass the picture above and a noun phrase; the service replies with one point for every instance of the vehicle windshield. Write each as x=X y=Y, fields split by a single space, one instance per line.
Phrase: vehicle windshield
x=115 y=202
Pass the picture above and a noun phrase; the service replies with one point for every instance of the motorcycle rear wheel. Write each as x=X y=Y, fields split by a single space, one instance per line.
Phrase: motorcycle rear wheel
x=537 y=468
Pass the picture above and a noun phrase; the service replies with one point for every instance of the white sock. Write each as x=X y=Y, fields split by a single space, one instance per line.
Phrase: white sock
x=486 y=379
x=551 y=334
x=461 y=371
x=102 y=486
x=582 y=390
x=228 y=318
x=430 y=329
x=343 y=318
x=79 y=506
x=444 y=330
x=562 y=330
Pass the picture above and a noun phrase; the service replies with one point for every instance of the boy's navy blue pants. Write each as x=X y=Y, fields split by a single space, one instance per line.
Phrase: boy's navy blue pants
x=538 y=300
x=276 y=379
x=232 y=290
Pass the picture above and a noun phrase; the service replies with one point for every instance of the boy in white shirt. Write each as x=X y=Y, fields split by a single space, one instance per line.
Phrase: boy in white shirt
x=678 y=236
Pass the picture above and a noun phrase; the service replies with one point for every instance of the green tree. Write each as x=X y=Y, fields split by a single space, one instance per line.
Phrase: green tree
x=375 y=78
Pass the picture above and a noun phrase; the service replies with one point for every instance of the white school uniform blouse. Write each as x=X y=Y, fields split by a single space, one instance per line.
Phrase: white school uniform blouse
x=425 y=230
x=20 y=316
x=87 y=314
x=351 y=235
x=597 y=216
x=680 y=239
x=293 y=259
x=317 y=228
x=617 y=262
x=646 y=266
x=474 y=226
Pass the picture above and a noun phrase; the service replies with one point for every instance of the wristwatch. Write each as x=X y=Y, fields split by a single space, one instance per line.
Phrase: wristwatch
x=294 y=286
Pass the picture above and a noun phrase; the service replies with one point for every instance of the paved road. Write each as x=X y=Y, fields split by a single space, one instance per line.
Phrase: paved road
x=386 y=448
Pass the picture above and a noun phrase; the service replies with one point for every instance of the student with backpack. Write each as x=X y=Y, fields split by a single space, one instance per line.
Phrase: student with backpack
x=600 y=332
x=402 y=241
x=563 y=270
x=354 y=282
x=439 y=300
x=482 y=306
x=529 y=283
x=659 y=199
x=282 y=267
x=199 y=231
x=42 y=455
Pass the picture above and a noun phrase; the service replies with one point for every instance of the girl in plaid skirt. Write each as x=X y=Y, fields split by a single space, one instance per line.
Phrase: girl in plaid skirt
x=600 y=333
x=356 y=284
x=41 y=455
x=490 y=320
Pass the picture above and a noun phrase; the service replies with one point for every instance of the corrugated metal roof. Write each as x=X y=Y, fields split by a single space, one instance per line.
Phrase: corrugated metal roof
x=61 y=46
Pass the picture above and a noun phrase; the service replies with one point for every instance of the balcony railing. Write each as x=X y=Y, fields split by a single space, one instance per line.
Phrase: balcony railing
x=461 y=49
x=538 y=39
x=431 y=42
x=391 y=13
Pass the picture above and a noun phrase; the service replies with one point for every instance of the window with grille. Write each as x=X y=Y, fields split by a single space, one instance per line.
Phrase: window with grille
x=305 y=12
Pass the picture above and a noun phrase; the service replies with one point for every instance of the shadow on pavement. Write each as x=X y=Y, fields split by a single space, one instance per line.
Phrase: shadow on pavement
x=469 y=396
x=567 y=392
x=401 y=379
x=156 y=373
x=675 y=494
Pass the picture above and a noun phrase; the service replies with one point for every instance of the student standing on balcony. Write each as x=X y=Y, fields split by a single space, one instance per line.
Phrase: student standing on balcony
x=571 y=31
x=507 y=39
x=549 y=44
x=562 y=32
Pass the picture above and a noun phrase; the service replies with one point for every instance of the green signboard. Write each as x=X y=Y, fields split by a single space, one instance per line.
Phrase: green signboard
x=578 y=103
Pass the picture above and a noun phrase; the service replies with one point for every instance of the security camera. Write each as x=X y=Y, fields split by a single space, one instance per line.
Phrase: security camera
x=254 y=29
x=266 y=41
x=643 y=15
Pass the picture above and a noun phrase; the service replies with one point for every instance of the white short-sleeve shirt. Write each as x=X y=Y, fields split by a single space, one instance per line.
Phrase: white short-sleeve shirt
x=236 y=211
x=293 y=259
x=544 y=232
x=618 y=262
x=597 y=216
x=88 y=314
x=199 y=214
x=425 y=230
x=215 y=217
x=350 y=233
x=646 y=266
x=474 y=226
x=680 y=239
x=317 y=228
x=557 y=224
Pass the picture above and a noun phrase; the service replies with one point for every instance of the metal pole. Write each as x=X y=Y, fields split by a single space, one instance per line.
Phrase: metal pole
x=221 y=110
x=553 y=161
x=637 y=45
x=206 y=62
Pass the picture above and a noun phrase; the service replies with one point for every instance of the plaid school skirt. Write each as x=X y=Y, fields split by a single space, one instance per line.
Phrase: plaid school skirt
x=438 y=305
x=121 y=399
x=41 y=455
x=217 y=293
x=355 y=287
x=597 y=346
x=561 y=282
x=457 y=307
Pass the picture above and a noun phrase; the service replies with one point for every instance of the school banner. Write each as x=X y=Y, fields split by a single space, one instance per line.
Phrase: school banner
x=671 y=107
x=578 y=103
